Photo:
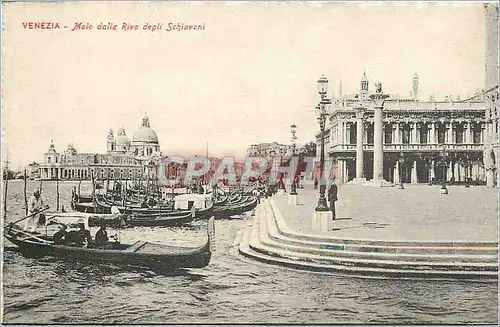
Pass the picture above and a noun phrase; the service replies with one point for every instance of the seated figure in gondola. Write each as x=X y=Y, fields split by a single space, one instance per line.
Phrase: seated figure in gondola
x=101 y=237
x=60 y=236
x=80 y=237
x=152 y=202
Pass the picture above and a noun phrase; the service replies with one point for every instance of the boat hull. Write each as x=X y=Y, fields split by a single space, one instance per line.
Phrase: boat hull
x=140 y=254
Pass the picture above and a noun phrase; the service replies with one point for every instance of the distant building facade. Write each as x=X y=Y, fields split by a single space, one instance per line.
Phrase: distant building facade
x=267 y=150
x=124 y=159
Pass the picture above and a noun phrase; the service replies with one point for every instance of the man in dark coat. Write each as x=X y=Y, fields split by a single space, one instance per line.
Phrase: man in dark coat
x=101 y=237
x=332 y=197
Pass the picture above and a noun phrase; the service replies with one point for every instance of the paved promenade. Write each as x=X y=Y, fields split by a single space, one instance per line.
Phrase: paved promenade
x=416 y=213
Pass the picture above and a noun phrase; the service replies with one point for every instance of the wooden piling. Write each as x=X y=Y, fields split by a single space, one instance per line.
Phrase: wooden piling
x=94 y=195
x=5 y=194
x=57 y=193
x=25 y=194
x=79 y=184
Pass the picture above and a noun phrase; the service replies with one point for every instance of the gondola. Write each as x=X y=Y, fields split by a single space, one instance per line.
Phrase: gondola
x=229 y=210
x=166 y=219
x=103 y=207
x=139 y=254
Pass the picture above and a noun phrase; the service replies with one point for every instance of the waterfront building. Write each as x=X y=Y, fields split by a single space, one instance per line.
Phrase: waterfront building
x=267 y=150
x=124 y=159
x=378 y=137
x=382 y=138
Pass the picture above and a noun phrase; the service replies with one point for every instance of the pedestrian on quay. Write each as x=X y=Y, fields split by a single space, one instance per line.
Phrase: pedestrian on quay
x=332 y=197
x=315 y=183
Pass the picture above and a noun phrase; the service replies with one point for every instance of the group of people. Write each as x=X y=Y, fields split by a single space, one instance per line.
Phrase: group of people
x=81 y=237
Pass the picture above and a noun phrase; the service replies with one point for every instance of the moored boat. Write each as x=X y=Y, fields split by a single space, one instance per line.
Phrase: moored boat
x=139 y=254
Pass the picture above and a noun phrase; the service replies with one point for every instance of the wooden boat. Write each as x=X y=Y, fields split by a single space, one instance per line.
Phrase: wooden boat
x=140 y=254
x=165 y=220
x=168 y=219
x=226 y=211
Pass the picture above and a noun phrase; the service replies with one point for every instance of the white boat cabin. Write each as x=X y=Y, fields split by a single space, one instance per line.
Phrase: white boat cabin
x=187 y=201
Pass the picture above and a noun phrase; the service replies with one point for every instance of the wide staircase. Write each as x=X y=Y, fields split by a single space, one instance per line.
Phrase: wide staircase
x=268 y=239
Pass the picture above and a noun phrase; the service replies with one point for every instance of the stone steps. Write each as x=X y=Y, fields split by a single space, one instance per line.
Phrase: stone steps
x=265 y=241
x=317 y=248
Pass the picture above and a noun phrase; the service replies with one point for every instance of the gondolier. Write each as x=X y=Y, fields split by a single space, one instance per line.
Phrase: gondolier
x=35 y=205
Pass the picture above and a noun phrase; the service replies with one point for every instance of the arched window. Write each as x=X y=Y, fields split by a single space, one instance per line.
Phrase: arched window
x=388 y=134
x=406 y=134
x=102 y=173
x=121 y=173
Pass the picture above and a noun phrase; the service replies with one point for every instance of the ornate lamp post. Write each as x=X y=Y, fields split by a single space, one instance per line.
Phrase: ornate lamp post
x=293 y=190
x=444 y=165
x=321 y=114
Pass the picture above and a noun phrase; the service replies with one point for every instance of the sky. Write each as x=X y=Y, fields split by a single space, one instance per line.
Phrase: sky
x=244 y=79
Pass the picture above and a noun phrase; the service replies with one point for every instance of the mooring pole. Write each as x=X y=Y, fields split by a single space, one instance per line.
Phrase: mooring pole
x=94 y=195
x=79 y=184
x=25 y=194
x=5 y=194
x=57 y=193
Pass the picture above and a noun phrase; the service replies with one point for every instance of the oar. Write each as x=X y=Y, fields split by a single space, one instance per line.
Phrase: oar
x=33 y=236
x=15 y=222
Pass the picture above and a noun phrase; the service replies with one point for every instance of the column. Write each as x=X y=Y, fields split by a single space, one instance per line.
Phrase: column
x=378 y=145
x=451 y=139
x=467 y=134
x=449 y=134
x=347 y=131
x=456 y=173
x=359 y=143
x=413 y=137
x=432 y=173
x=396 y=134
x=345 y=172
x=433 y=133
x=449 y=171
x=414 y=179
x=396 y=173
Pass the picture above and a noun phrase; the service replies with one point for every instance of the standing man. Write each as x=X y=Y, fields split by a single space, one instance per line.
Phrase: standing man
x=35 y=205
x=332 y=197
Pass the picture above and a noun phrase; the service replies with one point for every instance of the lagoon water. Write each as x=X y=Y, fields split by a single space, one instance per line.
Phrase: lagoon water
x=232 y=289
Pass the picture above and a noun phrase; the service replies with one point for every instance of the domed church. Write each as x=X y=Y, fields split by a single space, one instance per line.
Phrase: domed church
x=124 y=158
x=144 y=144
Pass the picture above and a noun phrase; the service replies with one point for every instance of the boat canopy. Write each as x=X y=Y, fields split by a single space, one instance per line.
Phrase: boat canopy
x=187 y=201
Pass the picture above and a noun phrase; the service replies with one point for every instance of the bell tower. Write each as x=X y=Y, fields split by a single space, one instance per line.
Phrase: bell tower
x=414 y=89
x=364 y=87
x=111 y=141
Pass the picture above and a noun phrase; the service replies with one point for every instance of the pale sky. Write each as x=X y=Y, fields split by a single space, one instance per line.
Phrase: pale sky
x=244 y=79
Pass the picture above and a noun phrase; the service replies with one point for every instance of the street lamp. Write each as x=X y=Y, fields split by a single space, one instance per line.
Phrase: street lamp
x=321 y=114
x=444 y=165
x=293 y=190
x=467 y=170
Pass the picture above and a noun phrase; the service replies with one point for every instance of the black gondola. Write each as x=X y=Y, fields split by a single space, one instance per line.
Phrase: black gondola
x=140 y=254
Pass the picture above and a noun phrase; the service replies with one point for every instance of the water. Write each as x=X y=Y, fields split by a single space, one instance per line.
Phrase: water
x=232 y=289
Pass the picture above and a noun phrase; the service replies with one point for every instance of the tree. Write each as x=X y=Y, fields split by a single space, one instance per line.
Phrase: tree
x=309 y=149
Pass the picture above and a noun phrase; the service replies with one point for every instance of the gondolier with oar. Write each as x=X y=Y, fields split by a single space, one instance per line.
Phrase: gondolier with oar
x=35 y=205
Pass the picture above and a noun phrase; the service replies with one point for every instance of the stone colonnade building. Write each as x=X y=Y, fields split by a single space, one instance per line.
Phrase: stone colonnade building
x=406 y=140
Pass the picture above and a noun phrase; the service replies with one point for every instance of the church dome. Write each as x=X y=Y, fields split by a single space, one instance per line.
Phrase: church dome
x=122 y=140
x=145 y=133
